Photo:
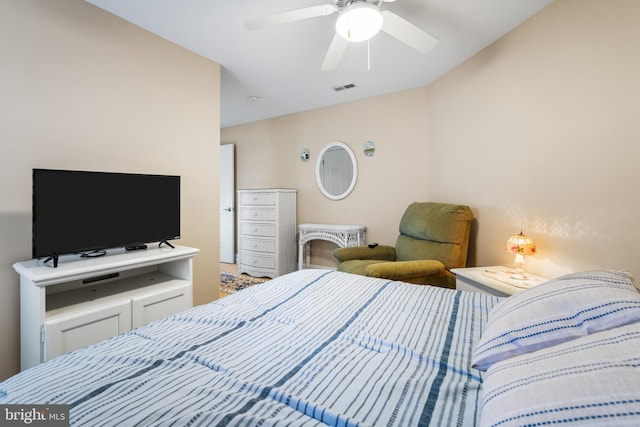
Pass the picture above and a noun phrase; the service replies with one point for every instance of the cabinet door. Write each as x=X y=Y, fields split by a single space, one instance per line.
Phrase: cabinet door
x=162 y=303
x=63 y=334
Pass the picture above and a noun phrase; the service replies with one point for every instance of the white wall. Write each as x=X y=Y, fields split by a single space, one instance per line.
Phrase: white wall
x=82 y=89
x=537 y=132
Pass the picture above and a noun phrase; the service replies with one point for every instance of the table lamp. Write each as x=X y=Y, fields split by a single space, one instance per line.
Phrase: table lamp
x=520 y=245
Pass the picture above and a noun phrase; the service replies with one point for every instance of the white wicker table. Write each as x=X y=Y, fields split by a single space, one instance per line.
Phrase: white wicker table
x=341 y=235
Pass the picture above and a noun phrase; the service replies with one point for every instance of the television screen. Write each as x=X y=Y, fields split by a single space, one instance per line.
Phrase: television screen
x=81 y=211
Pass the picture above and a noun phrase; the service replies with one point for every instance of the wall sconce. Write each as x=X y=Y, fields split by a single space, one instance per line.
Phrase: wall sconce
x=520 y=245
x=304 y=154
x=369 y=148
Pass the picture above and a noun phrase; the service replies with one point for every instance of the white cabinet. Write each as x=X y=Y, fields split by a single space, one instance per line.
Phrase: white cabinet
x=86 y=300
x=267 y=232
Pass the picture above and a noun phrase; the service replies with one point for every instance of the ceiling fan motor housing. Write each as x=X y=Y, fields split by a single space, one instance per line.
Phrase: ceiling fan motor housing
x=342 y=4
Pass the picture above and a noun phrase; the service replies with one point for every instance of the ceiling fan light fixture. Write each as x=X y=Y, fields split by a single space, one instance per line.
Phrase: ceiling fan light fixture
x=359 y=22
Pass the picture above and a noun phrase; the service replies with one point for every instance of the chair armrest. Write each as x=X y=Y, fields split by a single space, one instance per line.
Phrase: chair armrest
x=404 y=270
x=385 y=253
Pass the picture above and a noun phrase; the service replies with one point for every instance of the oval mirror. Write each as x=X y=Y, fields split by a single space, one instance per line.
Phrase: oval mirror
x=336 y=170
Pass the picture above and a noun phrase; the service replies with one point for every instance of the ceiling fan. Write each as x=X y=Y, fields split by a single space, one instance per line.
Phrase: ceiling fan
x=358 y=20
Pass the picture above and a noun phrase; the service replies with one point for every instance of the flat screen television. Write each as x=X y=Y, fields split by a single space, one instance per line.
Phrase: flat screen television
x=88 y=212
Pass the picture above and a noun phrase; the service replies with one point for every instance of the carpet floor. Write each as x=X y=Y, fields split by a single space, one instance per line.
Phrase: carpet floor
x=231 y=283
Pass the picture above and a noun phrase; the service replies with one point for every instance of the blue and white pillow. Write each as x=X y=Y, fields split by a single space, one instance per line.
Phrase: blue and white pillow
x=557 y=311
x=593 y=380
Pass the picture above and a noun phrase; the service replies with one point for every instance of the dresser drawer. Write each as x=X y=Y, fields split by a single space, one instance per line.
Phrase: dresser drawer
x=258 y=245
x=257 y=214
x=251 y=259
x=257 y=229
x=257 y=198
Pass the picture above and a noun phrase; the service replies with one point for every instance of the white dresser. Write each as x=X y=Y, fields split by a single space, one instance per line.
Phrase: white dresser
x=267 y=231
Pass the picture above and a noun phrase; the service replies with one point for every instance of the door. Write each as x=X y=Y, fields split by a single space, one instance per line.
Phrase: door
x=68 y=332
x=161 y=303
x=227 y=203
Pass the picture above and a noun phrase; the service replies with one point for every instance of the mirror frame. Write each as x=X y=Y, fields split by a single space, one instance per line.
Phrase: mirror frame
x=354 y=178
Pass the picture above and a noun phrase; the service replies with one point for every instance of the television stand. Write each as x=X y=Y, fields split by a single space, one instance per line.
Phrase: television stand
x=166 y=243
x=86 y=300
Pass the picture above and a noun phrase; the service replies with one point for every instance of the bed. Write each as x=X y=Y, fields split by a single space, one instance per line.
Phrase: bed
x=320 y=347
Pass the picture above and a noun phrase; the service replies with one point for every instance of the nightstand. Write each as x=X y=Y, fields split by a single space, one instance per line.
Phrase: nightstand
x=494 y=280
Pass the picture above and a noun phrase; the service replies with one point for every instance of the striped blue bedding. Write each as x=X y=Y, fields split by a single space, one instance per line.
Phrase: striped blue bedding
x=311 y=348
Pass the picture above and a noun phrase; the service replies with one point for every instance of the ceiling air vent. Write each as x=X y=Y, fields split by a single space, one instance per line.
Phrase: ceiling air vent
x=344 y=87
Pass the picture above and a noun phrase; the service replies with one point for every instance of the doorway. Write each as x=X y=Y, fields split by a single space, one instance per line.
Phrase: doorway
x=227 y=203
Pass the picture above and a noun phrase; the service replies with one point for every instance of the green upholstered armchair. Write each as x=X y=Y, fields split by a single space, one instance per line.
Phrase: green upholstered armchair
x=434 y=238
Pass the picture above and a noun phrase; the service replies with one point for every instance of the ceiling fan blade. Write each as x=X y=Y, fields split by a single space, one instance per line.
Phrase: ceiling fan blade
x=334 y=55
x=407 y=33
x=291 y=16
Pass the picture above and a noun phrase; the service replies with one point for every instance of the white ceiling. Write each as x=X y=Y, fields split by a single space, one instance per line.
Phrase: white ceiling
x=281 y=65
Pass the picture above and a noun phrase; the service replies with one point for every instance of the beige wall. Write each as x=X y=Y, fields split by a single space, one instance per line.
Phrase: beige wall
x=544 y=127
x=267 y=155
x=82 y=89
x=537 y=132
